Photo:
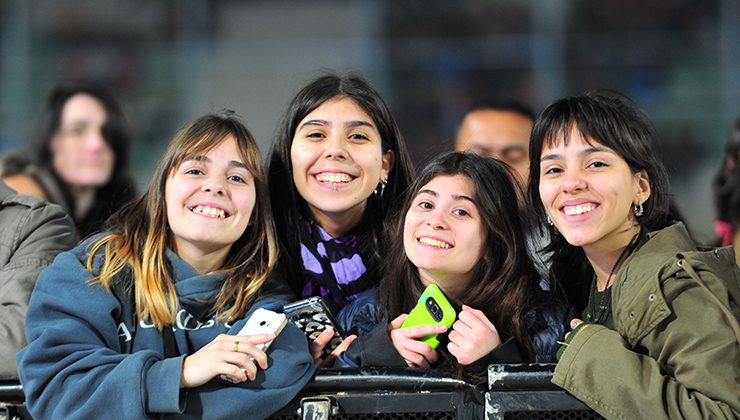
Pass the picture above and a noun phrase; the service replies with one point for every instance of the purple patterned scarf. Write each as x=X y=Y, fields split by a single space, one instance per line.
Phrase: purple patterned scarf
x=334 y=268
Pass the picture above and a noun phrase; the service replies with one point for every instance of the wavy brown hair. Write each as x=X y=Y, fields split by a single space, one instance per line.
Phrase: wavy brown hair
x=503 y=279
x=139 y=235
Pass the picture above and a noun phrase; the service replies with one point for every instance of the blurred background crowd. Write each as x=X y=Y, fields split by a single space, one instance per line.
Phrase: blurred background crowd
x=169 y=61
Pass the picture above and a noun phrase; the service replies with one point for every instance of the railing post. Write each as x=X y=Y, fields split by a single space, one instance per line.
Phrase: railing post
x=316 y=408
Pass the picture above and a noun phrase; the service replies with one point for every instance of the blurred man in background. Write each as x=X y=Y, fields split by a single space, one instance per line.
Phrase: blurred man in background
x=499 y=128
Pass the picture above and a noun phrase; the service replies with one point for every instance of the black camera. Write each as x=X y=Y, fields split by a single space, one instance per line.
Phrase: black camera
x=434 y=309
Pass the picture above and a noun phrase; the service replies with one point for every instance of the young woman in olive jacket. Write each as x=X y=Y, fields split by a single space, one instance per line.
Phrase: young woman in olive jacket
x=658 y=337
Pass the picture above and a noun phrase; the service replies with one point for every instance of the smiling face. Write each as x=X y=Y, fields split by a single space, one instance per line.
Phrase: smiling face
x=337 y=162
x=443 y=234
x=80 y=154
x=588 y=191
x=209 y=202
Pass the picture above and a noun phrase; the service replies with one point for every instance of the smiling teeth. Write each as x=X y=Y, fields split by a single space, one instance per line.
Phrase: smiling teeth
x=344 y=178
x=434 y=242
x=572 y=211
x=209 y=211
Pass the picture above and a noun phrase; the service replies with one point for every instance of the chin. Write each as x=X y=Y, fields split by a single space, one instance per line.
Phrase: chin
x=578 y=240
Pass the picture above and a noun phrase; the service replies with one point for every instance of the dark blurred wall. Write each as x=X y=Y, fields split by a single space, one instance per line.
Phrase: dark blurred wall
x=170 y=61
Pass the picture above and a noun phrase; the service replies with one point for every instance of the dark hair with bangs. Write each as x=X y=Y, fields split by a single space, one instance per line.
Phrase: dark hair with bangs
x=612 y=120
x=504 y=277
x=288 y=204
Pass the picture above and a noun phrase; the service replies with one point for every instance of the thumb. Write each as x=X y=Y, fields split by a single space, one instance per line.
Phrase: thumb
x=396 y=323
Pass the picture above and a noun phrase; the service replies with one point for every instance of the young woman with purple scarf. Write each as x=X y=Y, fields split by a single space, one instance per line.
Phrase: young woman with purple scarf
x=337 y=169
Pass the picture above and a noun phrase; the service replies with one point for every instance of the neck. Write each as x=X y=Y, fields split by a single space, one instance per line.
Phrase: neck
x=451 y=286
x=339 y=223
x=604 y=258
x=84 y=197
x=201 y=260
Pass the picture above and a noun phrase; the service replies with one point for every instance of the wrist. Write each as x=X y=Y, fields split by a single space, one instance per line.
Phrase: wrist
x=564 y=344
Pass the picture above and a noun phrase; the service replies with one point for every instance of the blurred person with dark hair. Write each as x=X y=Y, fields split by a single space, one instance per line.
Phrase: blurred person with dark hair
x=499 y=128
x=77 y=156
x=727 y=192
x=32 y=233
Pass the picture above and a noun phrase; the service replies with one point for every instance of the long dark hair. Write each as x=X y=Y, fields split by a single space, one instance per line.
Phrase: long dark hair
x=140 y=235
x=504 y=277
x=614 y=121
x=288 y=204
x=120 y=188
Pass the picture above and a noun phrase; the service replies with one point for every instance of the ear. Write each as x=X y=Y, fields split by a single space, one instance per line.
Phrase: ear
x=642 y=187
x=388 y=160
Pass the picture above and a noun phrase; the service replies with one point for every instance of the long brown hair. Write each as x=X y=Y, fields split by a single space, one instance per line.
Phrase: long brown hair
x=289 y=206
x=138 y=234
x=503 y=279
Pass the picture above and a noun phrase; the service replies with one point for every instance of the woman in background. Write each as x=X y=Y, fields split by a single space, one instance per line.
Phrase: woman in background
x=77 y=156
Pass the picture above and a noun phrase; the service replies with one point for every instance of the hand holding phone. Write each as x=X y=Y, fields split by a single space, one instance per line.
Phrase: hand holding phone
x=432 y=308
x=312 y=316
x=262 y=321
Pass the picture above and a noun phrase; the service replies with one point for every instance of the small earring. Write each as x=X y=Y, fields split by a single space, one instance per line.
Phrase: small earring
x=378 y=192
x=549 y=221
x=638 y=209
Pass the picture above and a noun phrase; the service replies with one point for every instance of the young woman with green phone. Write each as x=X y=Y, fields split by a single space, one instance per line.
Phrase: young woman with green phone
x=461 y=232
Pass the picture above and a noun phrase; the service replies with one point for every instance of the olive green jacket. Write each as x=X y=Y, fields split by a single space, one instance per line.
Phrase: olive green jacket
x=676 y=351
x=32 y=233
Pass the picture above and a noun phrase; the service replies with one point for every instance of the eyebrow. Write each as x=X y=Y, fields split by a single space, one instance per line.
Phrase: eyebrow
x=585 y=152
x=230 y=164
x=348 y=124
x=456 y=197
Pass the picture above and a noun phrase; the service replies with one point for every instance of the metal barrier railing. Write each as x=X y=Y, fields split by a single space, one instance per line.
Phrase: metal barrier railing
x=511 y=392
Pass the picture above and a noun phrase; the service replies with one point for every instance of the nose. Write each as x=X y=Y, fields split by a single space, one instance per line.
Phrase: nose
x=573 y=181
x=94 y=141
x=335 y=148
x=437 y=219
x=214 y=185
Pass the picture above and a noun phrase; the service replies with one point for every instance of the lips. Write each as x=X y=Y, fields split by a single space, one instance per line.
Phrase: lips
x=210 y=211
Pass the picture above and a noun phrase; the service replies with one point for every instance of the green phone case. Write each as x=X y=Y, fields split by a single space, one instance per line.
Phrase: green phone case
x=422 y=314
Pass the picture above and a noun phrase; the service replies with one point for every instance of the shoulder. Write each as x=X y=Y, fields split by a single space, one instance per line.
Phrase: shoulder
x=663 y=253
x=362 y=314
x=67 y=283
x=25 y=218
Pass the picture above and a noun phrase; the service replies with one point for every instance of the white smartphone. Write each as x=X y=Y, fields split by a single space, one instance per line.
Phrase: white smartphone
x=262 y=321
